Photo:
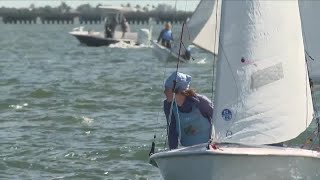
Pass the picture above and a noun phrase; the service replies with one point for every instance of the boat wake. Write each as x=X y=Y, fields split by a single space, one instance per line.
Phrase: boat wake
x=126 y=45
x=201 y=61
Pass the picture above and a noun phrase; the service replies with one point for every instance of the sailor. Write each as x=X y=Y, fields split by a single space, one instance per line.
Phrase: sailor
x=166 y=36
x=187 y=53
x=191 y=116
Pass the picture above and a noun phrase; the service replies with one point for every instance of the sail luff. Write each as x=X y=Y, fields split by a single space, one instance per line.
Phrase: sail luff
x=262 y=90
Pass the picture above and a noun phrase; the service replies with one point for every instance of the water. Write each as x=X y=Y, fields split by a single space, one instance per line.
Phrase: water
x=74 y=112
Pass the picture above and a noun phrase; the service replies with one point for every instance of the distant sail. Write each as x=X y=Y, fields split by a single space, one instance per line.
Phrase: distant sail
x=200 y=29
x=310 y=11
x=262 y=88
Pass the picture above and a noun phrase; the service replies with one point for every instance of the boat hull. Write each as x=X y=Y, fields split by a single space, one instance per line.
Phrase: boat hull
x=96 y=39
x=241 y=163
x=165 y=54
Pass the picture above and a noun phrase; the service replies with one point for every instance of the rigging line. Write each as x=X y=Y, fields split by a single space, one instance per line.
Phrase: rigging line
x=179 y=122
x=304 y=39
x=174 y=83
x=213 y=132
x=307 y=94
x=164 y=76
x=306 y=52
x=158 y=114
x=177 y=68
x=152 y=150
x=307 y=67
x=183 y=24
x=214 y=56
x=307 y=77
x=313 y=104
x=313 y=100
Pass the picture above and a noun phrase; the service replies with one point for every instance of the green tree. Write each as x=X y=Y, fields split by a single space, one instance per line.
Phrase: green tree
x=84 y=8
x=138 y=7
x=64 y=8
x=164 y=8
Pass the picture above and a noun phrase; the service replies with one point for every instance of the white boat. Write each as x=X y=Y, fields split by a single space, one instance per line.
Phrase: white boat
x=96 y=38
x=239 y=162
x=197 y=31
x=166 y=54
x=262 y=97
x=311 y=27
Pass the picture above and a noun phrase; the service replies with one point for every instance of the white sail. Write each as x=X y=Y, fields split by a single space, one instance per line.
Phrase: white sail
x=262 y=88
x=202 y=27
x=310 y=11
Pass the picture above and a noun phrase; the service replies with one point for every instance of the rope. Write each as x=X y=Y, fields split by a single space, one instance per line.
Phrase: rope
x=177 y=110
x=213 y=71
x=214 y=56
x=174 y=84
x=158 y=122
x=306 y=52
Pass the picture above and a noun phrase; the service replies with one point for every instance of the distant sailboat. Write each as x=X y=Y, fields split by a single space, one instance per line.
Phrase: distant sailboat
x=197 y=31
x=262 y=97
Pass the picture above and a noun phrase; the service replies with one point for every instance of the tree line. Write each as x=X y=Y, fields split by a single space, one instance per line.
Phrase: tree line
x=161 y=12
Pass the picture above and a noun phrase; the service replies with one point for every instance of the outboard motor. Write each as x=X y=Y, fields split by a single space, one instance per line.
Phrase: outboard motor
x=144 y=37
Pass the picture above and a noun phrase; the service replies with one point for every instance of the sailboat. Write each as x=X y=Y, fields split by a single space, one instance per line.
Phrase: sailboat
x=309 y=11
x=196 y=31
x=262 y=97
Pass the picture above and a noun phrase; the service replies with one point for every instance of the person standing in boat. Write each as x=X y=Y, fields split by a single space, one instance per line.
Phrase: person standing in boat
x=124 y=26
x=166 y=36
x=110 y=28
x=191 y=116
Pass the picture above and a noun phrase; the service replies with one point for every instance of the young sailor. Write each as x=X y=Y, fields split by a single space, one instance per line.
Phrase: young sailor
x=166 y=36
x=191 y=116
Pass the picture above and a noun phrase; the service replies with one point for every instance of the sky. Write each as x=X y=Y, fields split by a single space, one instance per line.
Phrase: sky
x=188 y=5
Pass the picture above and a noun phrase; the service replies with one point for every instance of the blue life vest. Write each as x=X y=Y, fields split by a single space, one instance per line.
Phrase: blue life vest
x=194 y=128
x=167 y=35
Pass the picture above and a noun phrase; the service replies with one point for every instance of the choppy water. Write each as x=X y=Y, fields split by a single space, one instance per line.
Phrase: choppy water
x=74 y=112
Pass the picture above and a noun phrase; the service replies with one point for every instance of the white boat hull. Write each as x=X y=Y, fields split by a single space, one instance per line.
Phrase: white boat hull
x=93 y=38
x=237 y=162
x=165 y=54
